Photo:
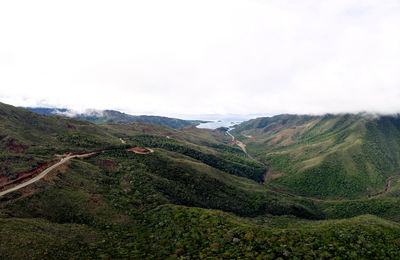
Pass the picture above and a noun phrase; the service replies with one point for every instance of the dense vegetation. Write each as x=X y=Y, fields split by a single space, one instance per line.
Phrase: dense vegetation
x=119 y=204
x=328 y=157
x=197 y=197
x=227 y=161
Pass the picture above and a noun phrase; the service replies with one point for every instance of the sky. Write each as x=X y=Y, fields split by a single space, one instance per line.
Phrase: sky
x=170 y=57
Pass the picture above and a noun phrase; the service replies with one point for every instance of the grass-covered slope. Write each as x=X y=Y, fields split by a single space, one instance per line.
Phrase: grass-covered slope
x=331 y=156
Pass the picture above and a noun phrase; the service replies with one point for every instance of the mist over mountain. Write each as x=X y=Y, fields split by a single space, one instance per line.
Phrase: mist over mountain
x=247 y=57
x=112 y=116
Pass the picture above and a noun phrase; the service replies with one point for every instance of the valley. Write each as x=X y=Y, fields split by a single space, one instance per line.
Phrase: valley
x=268 y=167
x=265 y=130
x=350 y=147
x=146 y=191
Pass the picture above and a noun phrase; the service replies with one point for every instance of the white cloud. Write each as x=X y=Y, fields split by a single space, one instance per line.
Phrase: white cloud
x=188 y=57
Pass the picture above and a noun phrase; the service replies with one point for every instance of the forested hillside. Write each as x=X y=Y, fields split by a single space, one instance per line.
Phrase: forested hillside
x=149 y=191
x=327 y=157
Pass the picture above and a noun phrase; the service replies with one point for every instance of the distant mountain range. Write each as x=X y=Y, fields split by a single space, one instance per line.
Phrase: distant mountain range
x=113 y=116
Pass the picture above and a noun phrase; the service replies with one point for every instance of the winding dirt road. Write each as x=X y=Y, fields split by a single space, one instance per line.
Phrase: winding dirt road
x=58 y=164
x=43 y=173
x=388 y=181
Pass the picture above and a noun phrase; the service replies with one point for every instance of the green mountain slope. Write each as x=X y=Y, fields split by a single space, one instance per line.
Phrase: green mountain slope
x=125 y=205
x=28 y=139
x=218 y=163
x=194 y=196
x=327 y=157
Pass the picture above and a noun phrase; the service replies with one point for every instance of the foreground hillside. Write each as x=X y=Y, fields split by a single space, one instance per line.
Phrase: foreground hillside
x=120 y=204
x=327 y=157
x=149 y=191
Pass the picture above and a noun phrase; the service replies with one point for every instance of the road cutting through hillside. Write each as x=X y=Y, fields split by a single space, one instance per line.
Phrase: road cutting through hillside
x=243 y=147
x=43 y=173
x=148 y=150
x=61 y=162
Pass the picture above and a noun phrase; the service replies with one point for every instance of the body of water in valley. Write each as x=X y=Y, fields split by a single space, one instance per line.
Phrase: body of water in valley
x=218 y=124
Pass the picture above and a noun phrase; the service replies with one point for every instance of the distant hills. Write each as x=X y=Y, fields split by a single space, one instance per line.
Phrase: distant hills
x=113 y=116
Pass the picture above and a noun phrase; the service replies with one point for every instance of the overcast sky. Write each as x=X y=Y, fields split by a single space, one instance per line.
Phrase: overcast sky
x=173 y=57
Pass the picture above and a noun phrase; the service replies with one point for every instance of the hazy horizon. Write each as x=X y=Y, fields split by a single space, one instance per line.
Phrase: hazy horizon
x=226 y=118
x=210 y=117
x=189 y=58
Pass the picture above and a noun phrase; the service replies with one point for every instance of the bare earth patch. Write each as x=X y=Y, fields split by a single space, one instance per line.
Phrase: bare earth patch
x=3 y=179
x=23 y=176
x=13 y=146
x=109 y=164
x=140 y=150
